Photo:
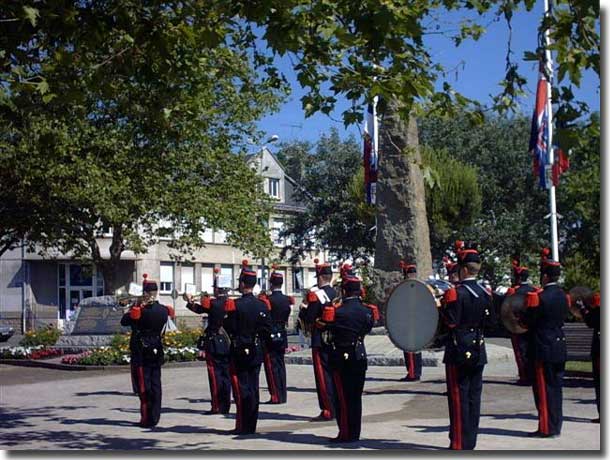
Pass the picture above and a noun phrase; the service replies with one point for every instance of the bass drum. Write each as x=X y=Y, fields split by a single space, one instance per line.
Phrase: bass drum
x=411 y=316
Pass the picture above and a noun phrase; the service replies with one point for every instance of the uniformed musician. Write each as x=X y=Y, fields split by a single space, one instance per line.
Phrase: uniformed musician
x=413 y=360
x=348 y=322
x=547 y=351
x=215 y=344
x=317 y=298
x=465 y=309
x=590 y=310
x=248 y=321
x=275 y=344
x=147 y=320
x=520 y=341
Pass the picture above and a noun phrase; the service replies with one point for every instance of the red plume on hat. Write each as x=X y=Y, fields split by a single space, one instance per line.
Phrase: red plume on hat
x=216 y=270
x=544 y=254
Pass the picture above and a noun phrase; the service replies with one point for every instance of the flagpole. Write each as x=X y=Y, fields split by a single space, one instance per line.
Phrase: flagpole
x=550 y=151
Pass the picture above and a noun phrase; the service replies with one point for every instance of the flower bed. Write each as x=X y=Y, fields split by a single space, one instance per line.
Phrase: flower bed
x=37 y=352
x=106 y=356
x=293 y=348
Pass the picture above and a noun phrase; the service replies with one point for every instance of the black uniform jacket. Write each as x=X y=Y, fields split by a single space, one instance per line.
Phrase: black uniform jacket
x=280 y=307
x=247 y=323
x=545 y=324
x=147 y=326
x=466 y=309
x=215 y=308
x=348 y=323
x=314 y=311
x=592 y=318
x=524 y=288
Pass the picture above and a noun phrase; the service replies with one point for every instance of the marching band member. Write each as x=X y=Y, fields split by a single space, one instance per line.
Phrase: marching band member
x=317 y=298
x=215 y=344
x=348 y=322
x=280 y=306
x=247 y=322
x=545 y=313
x=520 y=341
x=591 y=313
x=147 y=320
x=464 y=310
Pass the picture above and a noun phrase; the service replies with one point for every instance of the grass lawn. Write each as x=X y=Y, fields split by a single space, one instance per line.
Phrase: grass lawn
x=579 y=366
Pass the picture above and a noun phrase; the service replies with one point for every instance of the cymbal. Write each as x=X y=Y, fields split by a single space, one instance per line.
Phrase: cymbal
x=579 y=293
x=513 y=307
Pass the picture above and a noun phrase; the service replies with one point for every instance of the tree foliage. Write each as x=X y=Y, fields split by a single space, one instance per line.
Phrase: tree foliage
x=453 y=198
x=513 y=219
x=131 y=115
x=339 y=219
x=331 y=220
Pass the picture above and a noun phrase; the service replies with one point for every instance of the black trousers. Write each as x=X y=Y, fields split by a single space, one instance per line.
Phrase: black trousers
x=148 y=381
x=275 y=372
x=324 y=381
x=349 y=384
x=519 y=342
x=413 y=363
x=220 y=382
x=596 y=374
x=464 y=386
x=547 y=383
x=134 y=378
x=244 y=381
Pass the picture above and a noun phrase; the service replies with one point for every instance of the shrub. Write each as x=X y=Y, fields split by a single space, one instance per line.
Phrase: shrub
x=46 y=336
x=186 y=337
x=120 y=342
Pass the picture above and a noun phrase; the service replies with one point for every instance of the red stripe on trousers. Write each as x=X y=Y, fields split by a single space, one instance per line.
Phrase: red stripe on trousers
x=411 y=365
x=275 y=397
x=237 y=393
x=209 y=361
x=543 y=409
x=317 y=366
x=143 y=400
x=454 y=397
x=343 y=423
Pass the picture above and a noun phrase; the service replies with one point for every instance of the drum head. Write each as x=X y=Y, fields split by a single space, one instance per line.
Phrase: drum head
x=512 y=308
x=411 y=316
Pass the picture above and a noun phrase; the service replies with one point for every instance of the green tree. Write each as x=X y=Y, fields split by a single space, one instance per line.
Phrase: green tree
x=512 y=221
x=328 y=187
x=295 y=157
x=578 y=198
x=453 y=198
x=132 y=116
x=337 y=215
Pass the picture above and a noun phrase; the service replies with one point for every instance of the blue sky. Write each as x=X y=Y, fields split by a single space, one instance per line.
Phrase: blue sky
x=477 y=78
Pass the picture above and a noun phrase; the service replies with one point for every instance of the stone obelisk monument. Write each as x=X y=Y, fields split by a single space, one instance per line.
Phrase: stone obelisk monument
x=402 y=225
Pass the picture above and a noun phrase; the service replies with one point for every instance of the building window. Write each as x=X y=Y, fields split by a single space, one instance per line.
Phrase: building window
x=297 y=279
x=207 y=278
x=166 y=278
x=274 y=188
x=227 y=271
x=259 y=278
x=76 y=282
x=187 y=276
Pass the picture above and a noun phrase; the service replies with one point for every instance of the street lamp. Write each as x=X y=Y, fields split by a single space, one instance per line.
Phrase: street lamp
x=273 y=138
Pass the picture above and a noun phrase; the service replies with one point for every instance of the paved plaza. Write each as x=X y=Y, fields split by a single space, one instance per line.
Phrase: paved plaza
x=53 y=409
